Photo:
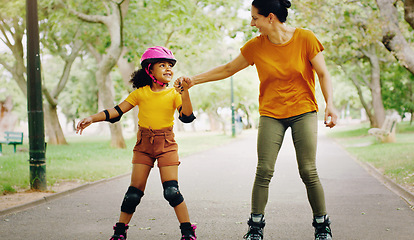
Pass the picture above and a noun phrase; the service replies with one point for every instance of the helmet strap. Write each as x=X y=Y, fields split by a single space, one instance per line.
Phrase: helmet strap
x=153 y=78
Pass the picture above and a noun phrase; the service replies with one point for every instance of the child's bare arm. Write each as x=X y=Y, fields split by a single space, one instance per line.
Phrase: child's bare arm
x=186 y=109
x=112 y=113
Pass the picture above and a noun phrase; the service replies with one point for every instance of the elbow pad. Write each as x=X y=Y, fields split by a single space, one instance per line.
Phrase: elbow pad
x=115 y=119
x=187 y=119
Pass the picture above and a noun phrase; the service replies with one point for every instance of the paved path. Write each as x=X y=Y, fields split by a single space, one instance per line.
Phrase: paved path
x=216 y=185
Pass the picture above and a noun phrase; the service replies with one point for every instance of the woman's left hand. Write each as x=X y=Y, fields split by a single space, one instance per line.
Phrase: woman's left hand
x=331 y=117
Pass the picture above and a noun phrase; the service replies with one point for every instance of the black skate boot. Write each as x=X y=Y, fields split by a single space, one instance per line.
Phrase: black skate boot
x=322 y=228
x=256 y=224
x=120 y=232
x=188 y=231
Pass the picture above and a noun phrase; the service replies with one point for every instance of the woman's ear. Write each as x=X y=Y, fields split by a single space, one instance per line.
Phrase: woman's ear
x=272 y=18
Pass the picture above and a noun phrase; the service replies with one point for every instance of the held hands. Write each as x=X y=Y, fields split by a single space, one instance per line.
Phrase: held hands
x=183 y=84
x=83 y=124
x=331 y=117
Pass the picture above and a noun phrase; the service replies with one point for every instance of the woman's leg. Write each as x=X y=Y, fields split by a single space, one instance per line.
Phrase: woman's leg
x=170 y=173
x=269 y=140
x=304 y=134
x=139 y=176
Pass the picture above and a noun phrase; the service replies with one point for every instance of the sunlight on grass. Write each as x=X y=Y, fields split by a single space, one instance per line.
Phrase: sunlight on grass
x=395 y=160
x=90 y=159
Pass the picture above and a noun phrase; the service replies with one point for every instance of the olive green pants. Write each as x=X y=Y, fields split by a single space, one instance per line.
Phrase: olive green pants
x=269 y=140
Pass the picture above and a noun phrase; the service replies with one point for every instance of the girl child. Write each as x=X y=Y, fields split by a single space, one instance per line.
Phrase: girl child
x=155 y=138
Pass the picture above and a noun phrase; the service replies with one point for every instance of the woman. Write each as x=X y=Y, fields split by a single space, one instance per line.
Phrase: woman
x=286 y=60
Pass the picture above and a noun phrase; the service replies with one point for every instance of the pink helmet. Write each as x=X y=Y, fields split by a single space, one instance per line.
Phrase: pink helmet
x=156 y=54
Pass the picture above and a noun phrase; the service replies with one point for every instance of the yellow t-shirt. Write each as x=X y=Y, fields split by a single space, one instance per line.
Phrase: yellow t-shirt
x=156 y=109
x=287 y=78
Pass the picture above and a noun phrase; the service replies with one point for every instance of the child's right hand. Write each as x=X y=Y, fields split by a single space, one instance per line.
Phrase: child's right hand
x=178 y=87
x=82 y=124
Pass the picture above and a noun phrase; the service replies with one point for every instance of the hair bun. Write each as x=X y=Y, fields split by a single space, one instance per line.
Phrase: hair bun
x=286 y=3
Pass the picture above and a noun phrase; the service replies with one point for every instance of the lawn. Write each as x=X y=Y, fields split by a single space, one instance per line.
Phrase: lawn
x=88 y=159
x=395 y=160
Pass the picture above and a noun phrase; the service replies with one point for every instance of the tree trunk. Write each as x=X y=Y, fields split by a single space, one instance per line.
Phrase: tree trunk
x=364 y=103
x=219 y=120
x=106 y=97
x=214 y=126
x=126 y=68
x=392 y=37
x=105 y=92
x=409 y=12
x=246 y=110
x=375 y=86
x=113 y=21
x=53 y=129
x=18 y=69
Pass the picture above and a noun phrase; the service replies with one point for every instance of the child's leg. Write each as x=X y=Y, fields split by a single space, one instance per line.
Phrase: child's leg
x=139 y=176
x=170 y=173
x=131 y=200
x=169 y=176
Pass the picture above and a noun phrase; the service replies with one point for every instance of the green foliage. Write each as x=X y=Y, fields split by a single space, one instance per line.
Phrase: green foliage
x=80 y=97
x=397 y=89
x=198 y=32
x=186 y=27
x=351 y=32
x=12 y=8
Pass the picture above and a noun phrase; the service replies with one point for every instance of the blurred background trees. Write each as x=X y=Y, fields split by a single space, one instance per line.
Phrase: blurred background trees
x=89 y=50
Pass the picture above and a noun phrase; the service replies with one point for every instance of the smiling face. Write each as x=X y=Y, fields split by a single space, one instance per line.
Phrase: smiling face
x=259 y=21
x=162 y=71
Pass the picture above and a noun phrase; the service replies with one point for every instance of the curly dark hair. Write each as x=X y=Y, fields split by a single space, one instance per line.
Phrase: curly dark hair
x=140 y=78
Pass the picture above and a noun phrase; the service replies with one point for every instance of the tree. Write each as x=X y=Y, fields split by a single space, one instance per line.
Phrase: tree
x=54 y=129
x=66 y=46
x=393 y=36
x=12 y=28
x=398 y=90
x=112 y=19
x=351 y=34
x=409 y=12
x=190 y=28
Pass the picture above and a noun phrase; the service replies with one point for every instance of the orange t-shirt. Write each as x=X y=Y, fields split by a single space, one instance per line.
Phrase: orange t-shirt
x=287 y=78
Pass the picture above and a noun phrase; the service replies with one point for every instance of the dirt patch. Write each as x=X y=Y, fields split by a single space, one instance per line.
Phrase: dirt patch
x=26 y=196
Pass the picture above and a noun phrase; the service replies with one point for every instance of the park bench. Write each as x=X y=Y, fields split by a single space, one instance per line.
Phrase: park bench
x=11 y=138
x=387 y=132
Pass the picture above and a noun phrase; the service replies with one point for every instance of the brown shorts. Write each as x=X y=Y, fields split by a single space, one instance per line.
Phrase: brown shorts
x=154 y=145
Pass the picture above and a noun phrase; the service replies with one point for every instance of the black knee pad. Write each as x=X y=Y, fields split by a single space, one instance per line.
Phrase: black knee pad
x=172 y=193
x=131 y=200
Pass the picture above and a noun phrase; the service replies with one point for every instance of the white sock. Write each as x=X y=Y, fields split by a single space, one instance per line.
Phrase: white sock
x=256 y=217
x=320 y=219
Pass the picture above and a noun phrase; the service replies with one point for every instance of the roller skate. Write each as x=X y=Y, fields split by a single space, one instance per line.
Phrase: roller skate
x=322 y=228
x=188 y=231
x=256 y=224
x=120 y=231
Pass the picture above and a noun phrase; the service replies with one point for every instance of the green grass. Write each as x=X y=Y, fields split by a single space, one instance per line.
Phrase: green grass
x=88 y=159
x=395 y=160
